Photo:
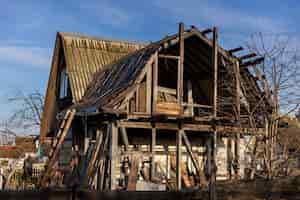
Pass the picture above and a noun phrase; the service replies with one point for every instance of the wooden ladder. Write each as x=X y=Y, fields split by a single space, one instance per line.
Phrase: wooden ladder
x=57 y=144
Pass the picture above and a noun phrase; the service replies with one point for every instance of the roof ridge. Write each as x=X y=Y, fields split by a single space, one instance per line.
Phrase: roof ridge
x=83 y=36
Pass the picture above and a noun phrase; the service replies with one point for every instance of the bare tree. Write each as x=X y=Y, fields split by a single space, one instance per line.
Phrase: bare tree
x=281 y=69
x=28 y=113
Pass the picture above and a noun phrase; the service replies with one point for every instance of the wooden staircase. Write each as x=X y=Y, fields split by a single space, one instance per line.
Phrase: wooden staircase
x=57 y=144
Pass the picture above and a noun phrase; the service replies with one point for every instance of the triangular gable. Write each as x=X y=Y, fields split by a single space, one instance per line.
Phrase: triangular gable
x=84 y=56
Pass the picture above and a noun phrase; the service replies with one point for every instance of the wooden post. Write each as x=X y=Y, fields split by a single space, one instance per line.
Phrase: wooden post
x=215 y=106
x=149 y=88
x=124 y=137
x=113 y=154
x=229 y=158
x=153 y=144
x=155 y=82
x=180 y=67
x=178 y=158
x=238 y=108
x=86 y=137
x=190 y=98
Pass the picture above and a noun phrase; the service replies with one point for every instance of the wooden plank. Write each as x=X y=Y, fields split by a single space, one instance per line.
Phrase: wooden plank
x=190 y=152
x=54 y=156
x=152 y=149
x=155 y=83
x=167 y=90
x=169 y=56
x=190 y=127
x=180 y=67
x=133 y=175
x=178 y=158
x=113 y=154
x=95 y=154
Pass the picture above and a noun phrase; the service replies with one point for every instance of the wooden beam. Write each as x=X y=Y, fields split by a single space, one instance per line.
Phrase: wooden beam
x=190 y=98
x=251 y=55
x=191 y=127
x=124 y=137
x=133 y=175
x=169 y=56
x=215 y=107
x=67 y=121
x=206 y=31
x=137 y=100
x=235 y=50
x=95 y=154
x=229 y=157
x=238 y=110
x=149 y=88
x=113 y=154
x=191 y=154
x=253 y=62
x=155 y=83
x=180 y=67
x=152 y=149
x=178 y=158
x=215 y=67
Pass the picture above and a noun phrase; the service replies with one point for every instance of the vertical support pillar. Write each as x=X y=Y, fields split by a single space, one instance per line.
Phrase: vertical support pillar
x=178 y=158
x=238 y=108
x=167 y=162
x=190 y=98
x=180 y=67
x=155 y=82
x=86 y=136
x=229 y=158
x=113 y=154
x=149 y=88
x=215 y=106
x=153 y=144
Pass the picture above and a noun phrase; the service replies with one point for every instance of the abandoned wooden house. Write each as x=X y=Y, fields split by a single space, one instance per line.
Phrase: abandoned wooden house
x=152 y=116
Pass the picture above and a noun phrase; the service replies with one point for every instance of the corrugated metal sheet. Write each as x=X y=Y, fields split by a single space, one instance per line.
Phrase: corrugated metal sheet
x=85 y=56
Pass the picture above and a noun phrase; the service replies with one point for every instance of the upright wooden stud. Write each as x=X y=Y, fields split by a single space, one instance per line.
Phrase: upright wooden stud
x=178 y=158
x=238 y=108
x=215 y=106
x=113 y=154
x=155 y=83
x=190 y=98
x=153 y=144
x=149 y=88
x=180 y=67
x=229 y=158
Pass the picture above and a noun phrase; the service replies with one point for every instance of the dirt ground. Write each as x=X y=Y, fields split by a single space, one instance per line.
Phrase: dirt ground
x=285 y=188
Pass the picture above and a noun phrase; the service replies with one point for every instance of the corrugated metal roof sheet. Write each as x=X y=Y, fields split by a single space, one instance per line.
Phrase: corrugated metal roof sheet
x=86 y=55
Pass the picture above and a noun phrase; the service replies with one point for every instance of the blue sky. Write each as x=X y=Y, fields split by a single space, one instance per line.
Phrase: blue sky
x=28 y=29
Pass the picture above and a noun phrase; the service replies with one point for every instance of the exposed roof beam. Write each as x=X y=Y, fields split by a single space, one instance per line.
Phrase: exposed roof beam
x=251 y=55
x=253 y=62
x=235 y=50
x=206 y=31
